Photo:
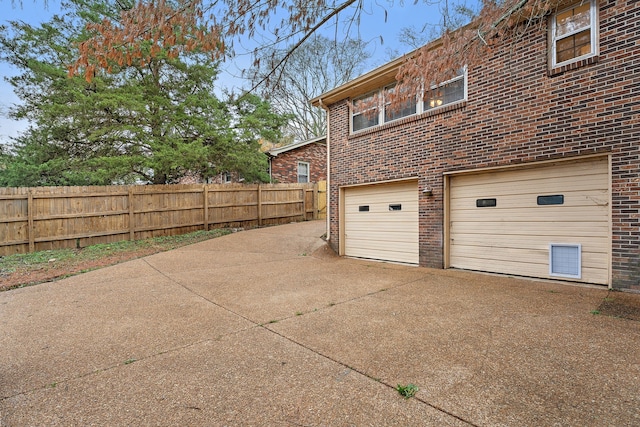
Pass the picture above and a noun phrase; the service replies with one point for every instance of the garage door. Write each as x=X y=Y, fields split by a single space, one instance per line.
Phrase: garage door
x=548 y=222
x=381 y=222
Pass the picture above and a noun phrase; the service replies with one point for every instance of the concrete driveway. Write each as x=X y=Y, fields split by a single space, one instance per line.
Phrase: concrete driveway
x=267 y=328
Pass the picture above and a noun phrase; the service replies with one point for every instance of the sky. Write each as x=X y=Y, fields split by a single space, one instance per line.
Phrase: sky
x=381 y=24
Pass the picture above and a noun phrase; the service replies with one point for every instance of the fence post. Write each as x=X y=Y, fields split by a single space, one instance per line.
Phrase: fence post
x=132 y=228
x=259 y=205
x=31 y=231
x=304 y=203
x=315 y=200
x=205 y=206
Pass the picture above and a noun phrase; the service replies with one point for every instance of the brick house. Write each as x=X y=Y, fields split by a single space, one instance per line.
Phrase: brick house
x=528 y=164
x=302 y=162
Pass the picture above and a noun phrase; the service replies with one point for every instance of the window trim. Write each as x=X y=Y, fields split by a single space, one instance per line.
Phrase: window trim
x=376 y=107
x=595 y=31
x=380 y=104
x=308 y=176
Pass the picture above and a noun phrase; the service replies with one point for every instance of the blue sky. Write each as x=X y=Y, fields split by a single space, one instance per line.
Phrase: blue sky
x=382 y=19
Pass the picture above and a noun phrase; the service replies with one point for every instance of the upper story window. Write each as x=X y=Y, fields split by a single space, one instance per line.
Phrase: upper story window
x=446 y=93
x=365 y=112
x=574 y=33
x=375 y=108
x=406 y=107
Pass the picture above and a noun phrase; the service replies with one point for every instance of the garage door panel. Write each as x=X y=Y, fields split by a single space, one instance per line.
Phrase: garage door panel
x=514 y=236
x=584 y=198
x=590 y=243
x=548 y=228
x=596 y=275
x=378 y=208
x=381 y=255
x=565 y=214
x=378 y=245
x=538 y=255
x=576 y=171
x=380 y=232
x=544 y=185
x=399 y=234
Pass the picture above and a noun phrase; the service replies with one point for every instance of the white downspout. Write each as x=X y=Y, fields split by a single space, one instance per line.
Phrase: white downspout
x=325 y=108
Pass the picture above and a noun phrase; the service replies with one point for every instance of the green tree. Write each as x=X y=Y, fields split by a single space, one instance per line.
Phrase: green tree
x=136 y=119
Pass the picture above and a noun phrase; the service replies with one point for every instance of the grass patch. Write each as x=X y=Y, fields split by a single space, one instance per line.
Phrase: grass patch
x=407 y=391
x=42 y=266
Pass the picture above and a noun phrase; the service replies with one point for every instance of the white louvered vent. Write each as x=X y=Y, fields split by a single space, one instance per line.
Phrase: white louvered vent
x=565 y=260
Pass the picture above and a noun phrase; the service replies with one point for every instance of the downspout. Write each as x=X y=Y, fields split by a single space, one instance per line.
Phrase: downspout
x=328 y=194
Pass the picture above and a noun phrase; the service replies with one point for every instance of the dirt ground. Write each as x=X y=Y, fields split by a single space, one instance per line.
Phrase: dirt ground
x=621 y=304
x=28 y=275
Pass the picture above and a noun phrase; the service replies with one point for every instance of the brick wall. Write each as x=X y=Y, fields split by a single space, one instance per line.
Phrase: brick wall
x=517 y=111
x=284 y=167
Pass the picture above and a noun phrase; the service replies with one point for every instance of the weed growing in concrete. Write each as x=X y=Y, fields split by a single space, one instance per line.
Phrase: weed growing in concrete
x=299 y=313
x=129 y=361
x=595 y=312
x=407 y=391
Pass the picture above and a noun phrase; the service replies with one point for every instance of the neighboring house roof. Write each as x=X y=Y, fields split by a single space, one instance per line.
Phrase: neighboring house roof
x=279 y=150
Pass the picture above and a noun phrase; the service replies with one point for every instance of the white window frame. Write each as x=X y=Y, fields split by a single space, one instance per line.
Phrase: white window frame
x=381 y=104
x=226 y=177
x=389 y=89
x=463 y=75
x=308 y=176
x=593 y=26
x=376 y=107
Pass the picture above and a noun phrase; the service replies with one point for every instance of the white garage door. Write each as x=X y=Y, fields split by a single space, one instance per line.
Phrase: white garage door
x=549 y=221
x=381 y=222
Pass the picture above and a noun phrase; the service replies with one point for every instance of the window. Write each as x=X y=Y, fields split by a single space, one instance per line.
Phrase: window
x=573 y=33
x=303 y=172
x=365 y=112
x=557 y=199
x=226 y=177
x=373 y=109
x=446 y=93
x=406 y=107
x=486 y=203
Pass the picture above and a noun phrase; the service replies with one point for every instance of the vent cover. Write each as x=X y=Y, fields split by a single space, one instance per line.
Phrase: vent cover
x=565 y=260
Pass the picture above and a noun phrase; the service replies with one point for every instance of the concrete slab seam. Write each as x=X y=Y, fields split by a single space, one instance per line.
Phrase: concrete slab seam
x=314 y=351
x=364 y=374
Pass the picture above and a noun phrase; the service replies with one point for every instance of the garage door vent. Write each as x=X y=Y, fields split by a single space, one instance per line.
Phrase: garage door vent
x=565 y=260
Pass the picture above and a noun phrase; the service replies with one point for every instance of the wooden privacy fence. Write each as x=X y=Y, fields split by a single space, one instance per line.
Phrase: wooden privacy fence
x=42 y=218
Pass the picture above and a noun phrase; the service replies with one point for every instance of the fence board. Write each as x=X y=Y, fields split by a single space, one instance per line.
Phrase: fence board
x=41 y=218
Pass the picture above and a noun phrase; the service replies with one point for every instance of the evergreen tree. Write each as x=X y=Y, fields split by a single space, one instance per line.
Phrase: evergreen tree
x=135 y=120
